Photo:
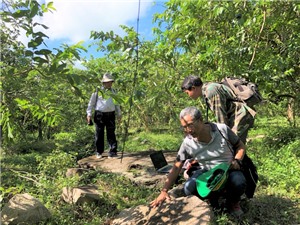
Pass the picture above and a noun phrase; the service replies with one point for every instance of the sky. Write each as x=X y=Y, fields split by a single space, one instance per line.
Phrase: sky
x=73 y=20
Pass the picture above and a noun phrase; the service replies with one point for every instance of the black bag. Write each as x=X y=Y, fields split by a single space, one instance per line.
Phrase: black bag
x=251 y=175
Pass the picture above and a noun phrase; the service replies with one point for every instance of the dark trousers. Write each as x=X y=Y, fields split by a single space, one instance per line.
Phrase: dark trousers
x=105 y=120
x=235 y=186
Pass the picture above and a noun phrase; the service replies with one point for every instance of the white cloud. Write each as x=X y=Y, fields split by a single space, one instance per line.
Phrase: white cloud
x=73 y=20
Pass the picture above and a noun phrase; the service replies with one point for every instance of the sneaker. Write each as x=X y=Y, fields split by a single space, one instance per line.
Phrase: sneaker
x=98 y=155
x=112 y=155
x=235 y=210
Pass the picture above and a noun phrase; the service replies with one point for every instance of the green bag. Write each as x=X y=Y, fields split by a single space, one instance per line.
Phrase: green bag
x=212 y=180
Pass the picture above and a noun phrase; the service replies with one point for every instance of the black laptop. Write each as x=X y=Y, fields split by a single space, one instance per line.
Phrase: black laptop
x=160 y=163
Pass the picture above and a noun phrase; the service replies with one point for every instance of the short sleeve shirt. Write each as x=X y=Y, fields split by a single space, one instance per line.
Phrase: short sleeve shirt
x=209 y=154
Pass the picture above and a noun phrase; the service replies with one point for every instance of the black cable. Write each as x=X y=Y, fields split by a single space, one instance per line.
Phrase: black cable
x=134 y=80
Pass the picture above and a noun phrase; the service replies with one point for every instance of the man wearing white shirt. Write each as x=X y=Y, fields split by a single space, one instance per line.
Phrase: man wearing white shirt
x=105 y=114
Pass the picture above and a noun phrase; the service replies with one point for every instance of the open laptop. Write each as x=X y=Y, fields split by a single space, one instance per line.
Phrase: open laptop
x=160 y=163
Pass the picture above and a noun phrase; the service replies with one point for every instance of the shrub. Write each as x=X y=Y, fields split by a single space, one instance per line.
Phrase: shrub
x=282 y=136
x=52 y=179
x=80 y=141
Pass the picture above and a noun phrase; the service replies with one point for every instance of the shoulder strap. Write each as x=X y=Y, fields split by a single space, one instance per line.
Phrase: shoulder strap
x=227 y=140
x=207 y=108
x=96 y=97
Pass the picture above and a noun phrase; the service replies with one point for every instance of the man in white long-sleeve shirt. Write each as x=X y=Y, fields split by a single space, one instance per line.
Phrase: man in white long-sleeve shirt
x=105 y=114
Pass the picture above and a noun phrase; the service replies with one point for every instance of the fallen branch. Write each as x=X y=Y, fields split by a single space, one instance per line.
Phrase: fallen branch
x=19 y=174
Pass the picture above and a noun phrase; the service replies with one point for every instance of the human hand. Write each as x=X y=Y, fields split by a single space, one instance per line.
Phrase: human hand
x=185 y=175
x=89 y=121
x=235 y=164
x=160 y=199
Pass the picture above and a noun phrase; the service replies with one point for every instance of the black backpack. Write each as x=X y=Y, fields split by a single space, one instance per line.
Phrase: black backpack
x=245 y=91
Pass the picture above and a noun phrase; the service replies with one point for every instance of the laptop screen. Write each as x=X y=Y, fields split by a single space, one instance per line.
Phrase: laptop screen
x=158 y=159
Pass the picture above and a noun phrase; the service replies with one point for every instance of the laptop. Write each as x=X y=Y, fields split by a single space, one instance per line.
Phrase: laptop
x=160 y=163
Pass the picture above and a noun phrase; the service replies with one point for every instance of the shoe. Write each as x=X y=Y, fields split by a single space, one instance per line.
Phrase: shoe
x=112 y=155
x=235 y=210
x=98 y=155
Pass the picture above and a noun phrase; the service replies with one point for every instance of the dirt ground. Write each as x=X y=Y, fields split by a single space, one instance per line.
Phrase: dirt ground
x=137 y=166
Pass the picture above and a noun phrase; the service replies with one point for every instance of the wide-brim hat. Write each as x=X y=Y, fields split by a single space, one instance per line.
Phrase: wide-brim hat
x=212 y=180
x=107 y=78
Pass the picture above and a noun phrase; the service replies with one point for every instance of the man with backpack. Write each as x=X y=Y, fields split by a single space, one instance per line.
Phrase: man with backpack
x=224 y=103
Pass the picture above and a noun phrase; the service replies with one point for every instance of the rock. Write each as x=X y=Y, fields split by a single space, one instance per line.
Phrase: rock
x=80 y=195
x=24 y=209
x=139 y=168
x=180 y=211
x=71 y=172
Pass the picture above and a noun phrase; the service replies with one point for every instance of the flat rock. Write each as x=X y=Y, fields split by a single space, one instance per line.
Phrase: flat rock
x=136 y=166
x=181 y=211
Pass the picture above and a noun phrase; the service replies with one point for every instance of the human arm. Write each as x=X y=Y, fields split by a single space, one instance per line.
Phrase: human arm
x=91 y=106
x=239 y=150
x=172 y=176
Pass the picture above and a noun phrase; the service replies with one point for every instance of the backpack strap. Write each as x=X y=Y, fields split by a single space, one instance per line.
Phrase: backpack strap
x=207 y=108
x=204 y=86
x=96 y=98
x=230 y=145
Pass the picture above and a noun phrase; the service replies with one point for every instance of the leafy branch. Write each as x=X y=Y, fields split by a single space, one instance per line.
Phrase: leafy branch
x=258 y=38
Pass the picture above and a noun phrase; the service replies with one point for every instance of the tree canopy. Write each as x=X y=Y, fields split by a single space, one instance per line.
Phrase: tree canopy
x=43 y=91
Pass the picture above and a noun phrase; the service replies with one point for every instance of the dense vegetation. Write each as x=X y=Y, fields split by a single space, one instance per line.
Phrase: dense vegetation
x=42 y=134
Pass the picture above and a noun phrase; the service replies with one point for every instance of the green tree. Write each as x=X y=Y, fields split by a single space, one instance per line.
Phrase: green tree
x=257 y=40
x=32 y=77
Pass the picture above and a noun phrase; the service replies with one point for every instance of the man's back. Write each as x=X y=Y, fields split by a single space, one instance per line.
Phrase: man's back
x=221 y=100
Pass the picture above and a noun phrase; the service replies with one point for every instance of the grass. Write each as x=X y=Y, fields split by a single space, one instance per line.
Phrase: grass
x=143 y=141
x=273 y=146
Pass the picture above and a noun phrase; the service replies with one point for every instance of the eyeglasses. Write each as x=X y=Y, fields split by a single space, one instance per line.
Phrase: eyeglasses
x=189 y=126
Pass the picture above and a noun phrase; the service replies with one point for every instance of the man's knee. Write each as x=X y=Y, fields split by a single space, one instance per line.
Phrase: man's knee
x=190 y=187
x=237 y=181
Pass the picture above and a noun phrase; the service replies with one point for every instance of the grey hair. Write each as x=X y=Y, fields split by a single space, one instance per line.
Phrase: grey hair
x=192 y=111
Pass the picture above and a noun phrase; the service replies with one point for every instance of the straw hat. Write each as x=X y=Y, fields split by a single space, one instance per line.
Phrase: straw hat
x=107 y=77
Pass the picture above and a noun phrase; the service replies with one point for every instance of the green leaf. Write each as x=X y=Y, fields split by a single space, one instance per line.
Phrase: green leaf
x=20 y=13
x=40 y=60
x=28 y=53
x=9 y=131
x=43 y=52
x=34 y=9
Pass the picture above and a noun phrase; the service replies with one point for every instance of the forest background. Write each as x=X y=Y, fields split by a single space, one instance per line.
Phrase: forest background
x=44 y=97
